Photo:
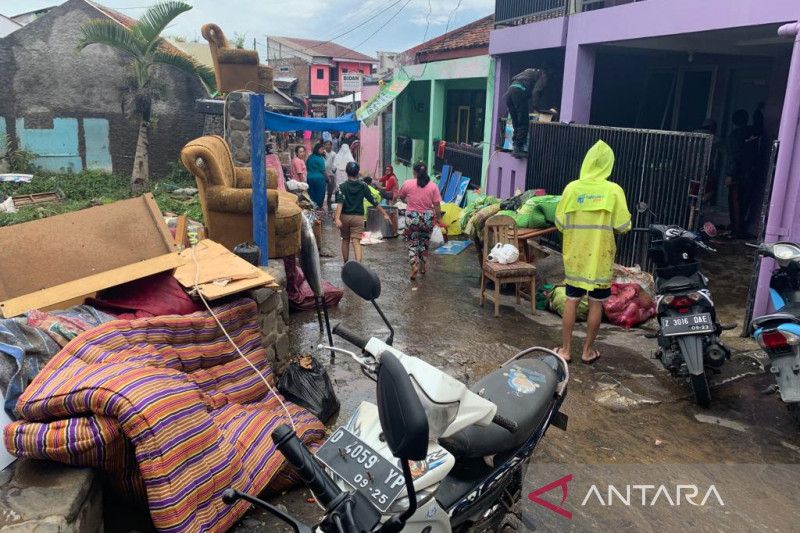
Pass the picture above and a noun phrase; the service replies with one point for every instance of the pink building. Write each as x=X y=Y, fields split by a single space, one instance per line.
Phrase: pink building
x=327 y=63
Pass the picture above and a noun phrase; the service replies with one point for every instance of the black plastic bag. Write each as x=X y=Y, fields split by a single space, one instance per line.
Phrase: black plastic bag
x=307 y=384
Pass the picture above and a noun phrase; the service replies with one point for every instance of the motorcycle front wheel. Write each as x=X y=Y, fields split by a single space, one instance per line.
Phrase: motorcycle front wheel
x=702 y=393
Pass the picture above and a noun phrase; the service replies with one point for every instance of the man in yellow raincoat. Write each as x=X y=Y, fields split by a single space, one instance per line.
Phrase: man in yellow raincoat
x=592 y=211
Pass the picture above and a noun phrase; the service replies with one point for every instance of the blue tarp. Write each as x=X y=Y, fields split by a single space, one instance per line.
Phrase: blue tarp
x=278 y=122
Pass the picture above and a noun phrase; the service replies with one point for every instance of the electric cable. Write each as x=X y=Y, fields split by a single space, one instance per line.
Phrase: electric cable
x=384 y=24
x=227 y=335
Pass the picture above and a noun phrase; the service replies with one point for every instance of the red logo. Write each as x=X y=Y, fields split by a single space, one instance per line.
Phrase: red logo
x=534 y=496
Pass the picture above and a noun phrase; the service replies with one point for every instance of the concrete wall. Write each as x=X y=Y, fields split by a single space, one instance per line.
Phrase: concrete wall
x=297 y=68
x=371 y=138
x=7 y=26
x=578 y=35
x=419 y=111
x=71 y=108
x=320 y=87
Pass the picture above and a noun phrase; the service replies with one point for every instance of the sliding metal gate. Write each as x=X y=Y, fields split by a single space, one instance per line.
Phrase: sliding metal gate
x=663 y=168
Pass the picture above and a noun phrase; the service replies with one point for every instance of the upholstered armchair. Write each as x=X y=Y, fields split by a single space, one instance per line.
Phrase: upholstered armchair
x=226 y=197
x=236 y=69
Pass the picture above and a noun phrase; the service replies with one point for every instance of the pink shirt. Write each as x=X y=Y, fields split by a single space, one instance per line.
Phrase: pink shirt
x=298 y=170
x=419 y=200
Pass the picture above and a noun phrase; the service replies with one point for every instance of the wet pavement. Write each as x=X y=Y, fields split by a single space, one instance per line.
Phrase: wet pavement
x=624 y=410
x=627 y=415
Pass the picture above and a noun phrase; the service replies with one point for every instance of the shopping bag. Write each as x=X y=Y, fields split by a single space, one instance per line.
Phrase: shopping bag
x=437 y=237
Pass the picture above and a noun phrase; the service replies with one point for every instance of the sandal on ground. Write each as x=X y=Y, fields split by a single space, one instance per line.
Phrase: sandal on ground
x=593 y=360
x=559 y=351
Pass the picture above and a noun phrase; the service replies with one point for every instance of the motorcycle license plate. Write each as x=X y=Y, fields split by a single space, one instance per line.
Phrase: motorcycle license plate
x=362 y=468
x=672 y=326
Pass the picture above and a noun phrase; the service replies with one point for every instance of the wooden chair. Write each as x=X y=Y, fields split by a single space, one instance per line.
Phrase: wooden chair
x=502 y=229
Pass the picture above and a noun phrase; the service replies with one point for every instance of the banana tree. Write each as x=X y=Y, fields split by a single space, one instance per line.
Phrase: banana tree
x=147 y=50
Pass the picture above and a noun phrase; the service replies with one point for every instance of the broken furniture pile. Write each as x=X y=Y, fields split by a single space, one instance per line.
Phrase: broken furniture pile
x=143 y=384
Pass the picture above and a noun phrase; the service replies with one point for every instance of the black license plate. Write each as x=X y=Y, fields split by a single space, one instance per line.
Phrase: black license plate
x=672 y=326
x=362 y=468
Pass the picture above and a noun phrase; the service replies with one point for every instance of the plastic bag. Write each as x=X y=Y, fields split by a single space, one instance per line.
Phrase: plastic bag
x=558 y=299
x=307 y=384
x=629 y=305
x=505 y=254
x=437 y=237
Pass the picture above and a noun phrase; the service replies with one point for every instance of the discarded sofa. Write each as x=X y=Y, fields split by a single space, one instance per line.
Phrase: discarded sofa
x=236 y=69
x=226 y=197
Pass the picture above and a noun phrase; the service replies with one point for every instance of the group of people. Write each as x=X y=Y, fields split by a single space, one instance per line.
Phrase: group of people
x=334 y=179
x=323 y=170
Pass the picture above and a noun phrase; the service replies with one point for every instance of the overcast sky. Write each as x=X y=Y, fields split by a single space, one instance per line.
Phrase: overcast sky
x=311 y=19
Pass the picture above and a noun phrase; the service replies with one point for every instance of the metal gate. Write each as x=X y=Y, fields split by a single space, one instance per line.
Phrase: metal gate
x=666 y=169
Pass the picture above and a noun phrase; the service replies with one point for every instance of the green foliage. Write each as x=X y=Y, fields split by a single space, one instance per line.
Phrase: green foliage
x=88 y=188
x=18 y=159
x=238 y=40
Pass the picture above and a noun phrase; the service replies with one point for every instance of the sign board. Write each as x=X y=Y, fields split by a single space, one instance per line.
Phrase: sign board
x=370 y=111
x=351 y=82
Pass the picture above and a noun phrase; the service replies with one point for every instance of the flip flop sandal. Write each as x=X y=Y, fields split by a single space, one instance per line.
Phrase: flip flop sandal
x=593 y=360
x=568 y=359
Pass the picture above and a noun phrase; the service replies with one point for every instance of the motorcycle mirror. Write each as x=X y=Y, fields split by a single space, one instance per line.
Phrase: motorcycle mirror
x=361 y=280
x=642 y=207
x=403 y=419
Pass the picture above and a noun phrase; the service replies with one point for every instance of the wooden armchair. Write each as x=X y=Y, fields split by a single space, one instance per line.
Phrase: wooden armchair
x=226 y=197
x=236 y=69
x=502 y=229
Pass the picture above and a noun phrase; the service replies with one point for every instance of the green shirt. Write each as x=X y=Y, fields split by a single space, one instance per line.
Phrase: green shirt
x=351 y=194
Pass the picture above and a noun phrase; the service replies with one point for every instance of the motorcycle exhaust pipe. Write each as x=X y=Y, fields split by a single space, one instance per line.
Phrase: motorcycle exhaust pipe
x=715 y=355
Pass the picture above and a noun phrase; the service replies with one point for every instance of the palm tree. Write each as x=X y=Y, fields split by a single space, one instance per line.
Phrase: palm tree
x=146 y=49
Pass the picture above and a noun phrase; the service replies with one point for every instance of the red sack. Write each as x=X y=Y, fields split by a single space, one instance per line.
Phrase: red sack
x=629 y=305
x=301 y=297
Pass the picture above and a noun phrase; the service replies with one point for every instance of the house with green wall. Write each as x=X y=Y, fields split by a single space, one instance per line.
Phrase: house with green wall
x=437 y=107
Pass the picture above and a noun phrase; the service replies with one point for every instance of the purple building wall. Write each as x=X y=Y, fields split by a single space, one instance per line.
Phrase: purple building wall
x=578 y=35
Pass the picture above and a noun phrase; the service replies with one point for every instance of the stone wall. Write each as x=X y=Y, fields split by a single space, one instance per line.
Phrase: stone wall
x=237 y=127
x=273 y=308
x=72 y=107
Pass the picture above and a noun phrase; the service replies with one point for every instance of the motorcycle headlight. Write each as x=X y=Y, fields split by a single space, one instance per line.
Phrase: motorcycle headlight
x=785 y=252
x=440 y=415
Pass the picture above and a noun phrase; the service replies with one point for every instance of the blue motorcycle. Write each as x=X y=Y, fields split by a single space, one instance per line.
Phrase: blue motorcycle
x=779 y=333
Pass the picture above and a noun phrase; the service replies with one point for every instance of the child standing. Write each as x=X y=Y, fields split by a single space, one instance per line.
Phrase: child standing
x=350 y=197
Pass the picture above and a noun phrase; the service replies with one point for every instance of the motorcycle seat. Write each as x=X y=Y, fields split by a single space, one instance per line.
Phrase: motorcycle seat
x=679 y=283
x=523 y=392
x=787 y=314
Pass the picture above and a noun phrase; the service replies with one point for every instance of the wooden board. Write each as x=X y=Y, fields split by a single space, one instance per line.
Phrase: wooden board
x=73 y=289
x=36 y=198
x=55 y=259
x=216 y=262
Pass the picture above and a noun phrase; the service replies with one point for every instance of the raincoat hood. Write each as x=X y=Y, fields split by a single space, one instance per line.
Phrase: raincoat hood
x=598 y=163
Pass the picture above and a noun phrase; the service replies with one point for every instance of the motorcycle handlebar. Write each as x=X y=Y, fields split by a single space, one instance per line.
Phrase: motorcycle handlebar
x=351 y=337
x=505 y=423
x=304 y=464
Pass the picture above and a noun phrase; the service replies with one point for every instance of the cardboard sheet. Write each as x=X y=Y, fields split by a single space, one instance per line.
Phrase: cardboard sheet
x=216 y=265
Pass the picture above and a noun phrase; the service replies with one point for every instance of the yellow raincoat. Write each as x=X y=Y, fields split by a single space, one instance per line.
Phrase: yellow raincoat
x=591 y=212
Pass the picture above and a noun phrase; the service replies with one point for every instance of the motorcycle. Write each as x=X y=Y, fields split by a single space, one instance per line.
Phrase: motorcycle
x=432 y=456
x=779 y=333
x=688 y=330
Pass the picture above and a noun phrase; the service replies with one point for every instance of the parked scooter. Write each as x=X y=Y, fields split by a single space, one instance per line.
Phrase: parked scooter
x=779 y=333
x=432 y=456
x=688 y=330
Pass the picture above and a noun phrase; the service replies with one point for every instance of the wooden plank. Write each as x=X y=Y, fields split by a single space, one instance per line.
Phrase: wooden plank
x=36 y=198
x=180 y=231
x=57 y=250
x=73 y=289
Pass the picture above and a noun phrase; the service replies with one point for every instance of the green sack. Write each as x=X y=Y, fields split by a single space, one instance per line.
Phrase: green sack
x=558 y=299
x=530 y=216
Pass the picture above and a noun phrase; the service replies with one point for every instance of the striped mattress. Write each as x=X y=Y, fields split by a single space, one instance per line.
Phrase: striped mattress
x=168 y=410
